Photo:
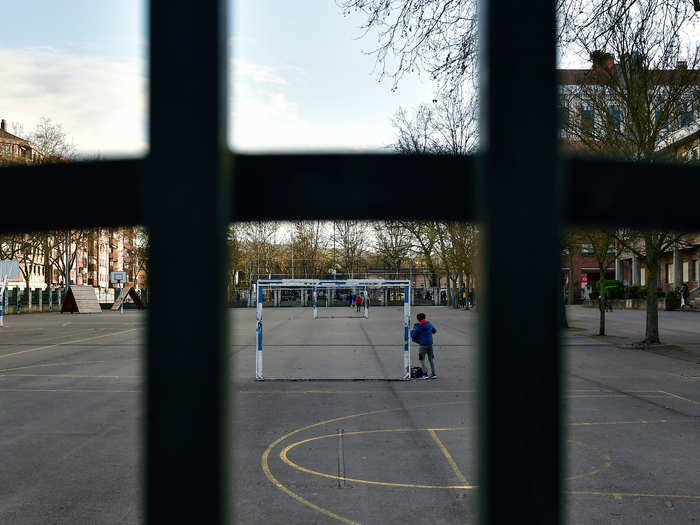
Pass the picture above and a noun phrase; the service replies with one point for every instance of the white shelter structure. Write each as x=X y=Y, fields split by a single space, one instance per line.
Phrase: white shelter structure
x=360 y=286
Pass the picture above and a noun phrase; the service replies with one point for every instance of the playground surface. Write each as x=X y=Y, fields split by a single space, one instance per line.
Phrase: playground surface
x=337 y=451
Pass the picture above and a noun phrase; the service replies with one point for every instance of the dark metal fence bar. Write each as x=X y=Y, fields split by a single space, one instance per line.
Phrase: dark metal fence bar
x=77 y=194
x=518 y=188
x=186 y=456
x=615 y=192
x=362 y=186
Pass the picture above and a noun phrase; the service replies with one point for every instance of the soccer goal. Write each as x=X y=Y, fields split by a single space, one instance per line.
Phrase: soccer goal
x=313 y=342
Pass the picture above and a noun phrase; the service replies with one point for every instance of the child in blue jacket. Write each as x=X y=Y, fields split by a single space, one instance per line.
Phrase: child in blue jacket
x=422 y=334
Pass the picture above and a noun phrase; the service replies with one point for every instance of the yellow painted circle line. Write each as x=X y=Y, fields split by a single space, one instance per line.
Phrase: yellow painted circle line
x=264 y=459
x=285 y=458
x=265 y=464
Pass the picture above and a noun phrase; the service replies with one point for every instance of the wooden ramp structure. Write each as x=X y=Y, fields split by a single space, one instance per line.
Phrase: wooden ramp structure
x=81 y=300
x=128 y=291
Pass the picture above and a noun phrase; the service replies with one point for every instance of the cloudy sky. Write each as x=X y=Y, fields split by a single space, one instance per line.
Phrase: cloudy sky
x=302 y=80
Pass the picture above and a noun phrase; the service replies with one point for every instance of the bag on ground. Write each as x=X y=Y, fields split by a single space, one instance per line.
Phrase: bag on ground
x=416 y=372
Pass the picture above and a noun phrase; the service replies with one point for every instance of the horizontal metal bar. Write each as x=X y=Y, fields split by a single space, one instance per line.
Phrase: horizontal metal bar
x=357 y=186
x=100 y=193
x=623 y=193
x=362 y=186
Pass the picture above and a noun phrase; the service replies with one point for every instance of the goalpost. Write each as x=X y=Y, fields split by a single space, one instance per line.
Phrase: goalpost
x=360 y=286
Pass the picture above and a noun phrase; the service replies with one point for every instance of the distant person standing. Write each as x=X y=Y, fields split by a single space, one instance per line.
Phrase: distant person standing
x=358 y=301
x=685 y=295
x=351 y=300
x=422 y=334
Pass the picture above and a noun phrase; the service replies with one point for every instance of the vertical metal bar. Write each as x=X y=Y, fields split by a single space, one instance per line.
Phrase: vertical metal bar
x=187 y=194
x=259 y=334
x=519 y=410
x=407 y=327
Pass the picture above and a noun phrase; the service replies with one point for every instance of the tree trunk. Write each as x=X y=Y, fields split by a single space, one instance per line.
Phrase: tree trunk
x=603 y=300
x=467 y=287
x=448 y=290
x=434 y=279
x=652 y=328
x=48 y=270
x=570 y=299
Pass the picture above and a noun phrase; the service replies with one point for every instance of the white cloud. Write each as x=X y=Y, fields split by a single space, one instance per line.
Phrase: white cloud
x=265 y=116
x=262 y=114
x=101 y=102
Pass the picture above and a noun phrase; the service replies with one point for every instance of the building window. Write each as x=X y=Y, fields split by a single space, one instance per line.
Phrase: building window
x=587 y=119
x=586 y=249
x=614 y=118
x=686 y=117
x=643 y=276
x=669 y=273
x=685 y=271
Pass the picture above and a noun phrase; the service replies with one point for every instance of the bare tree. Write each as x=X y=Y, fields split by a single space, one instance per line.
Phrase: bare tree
x=10 y=246
x=393 y=243
x=235 y=257
x=440 y=37
x=260 y=238
x=53 y=141
x=601 y=242
x=55 y=247
x=351 y=242
x=138 y=251
x=309 y=243
x=649 y=246
x=449 y=125
x=30 y=250
x=424 y=238
x=464 y=249
x=572 y=246
x=50 y=137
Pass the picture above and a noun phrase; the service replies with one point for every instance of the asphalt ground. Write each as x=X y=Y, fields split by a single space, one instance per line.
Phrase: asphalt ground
x=343 y=451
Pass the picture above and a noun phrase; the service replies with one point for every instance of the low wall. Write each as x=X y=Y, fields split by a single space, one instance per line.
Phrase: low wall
x=627 y=304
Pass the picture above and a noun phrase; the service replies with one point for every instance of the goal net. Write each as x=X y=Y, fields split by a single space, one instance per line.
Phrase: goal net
x=328 y=329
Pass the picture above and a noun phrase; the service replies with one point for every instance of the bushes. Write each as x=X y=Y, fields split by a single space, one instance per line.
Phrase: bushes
x=673 y=300
x=614 y=289
x=633 y=292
